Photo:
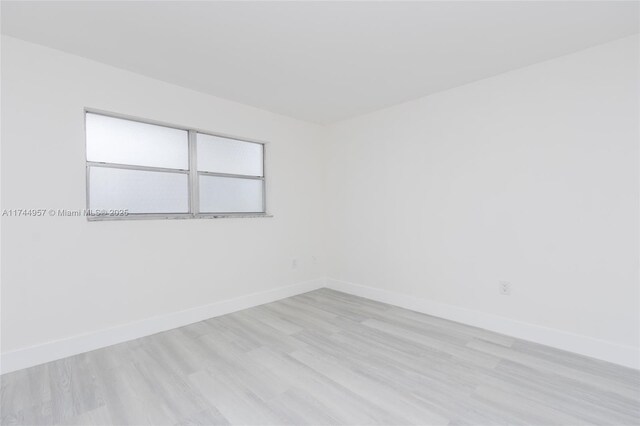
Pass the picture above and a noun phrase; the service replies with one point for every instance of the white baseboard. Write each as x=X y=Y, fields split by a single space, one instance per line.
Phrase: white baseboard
x=627 y=356
x=39 y=354
x=51 y=351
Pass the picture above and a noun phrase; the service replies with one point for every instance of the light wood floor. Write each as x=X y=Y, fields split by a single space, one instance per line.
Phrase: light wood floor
x=324 y=358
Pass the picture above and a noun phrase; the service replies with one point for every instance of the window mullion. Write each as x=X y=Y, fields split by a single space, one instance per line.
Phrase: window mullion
x=194 y=202
x=264 y=182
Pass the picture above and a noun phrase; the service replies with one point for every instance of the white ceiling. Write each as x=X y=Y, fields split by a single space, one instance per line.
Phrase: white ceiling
x=319 y=61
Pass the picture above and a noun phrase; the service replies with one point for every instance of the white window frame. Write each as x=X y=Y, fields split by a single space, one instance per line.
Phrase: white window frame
x=192 y=172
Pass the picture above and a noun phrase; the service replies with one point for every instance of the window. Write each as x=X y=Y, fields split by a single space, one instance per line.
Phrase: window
x=230 y=175
x=157 y=171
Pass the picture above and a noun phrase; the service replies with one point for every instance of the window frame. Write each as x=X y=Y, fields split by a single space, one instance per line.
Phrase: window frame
x=192 y=173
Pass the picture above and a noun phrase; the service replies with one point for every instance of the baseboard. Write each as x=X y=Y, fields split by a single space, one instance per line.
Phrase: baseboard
x=51 y=351
x=627 y=356
x=34 y=355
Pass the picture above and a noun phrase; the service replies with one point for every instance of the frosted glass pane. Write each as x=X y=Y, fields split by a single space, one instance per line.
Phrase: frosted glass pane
x=138 y=191
x=114 y=140
x=230 y=195
x=222 y=155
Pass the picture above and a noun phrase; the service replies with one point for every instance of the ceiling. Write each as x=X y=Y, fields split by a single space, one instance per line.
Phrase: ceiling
x=319 y=61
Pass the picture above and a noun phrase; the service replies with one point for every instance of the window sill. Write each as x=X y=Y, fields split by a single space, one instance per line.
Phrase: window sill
x=179 y=216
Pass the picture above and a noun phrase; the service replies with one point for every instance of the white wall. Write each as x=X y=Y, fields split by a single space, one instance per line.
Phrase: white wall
x=529 y=177
x=66 y=276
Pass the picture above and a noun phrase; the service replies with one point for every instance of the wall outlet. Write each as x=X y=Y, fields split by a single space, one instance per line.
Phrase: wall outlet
x=294 y=263
x=504 y=288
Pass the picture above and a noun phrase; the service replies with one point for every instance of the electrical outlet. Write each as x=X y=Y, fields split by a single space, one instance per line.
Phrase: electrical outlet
x=504 y=288
x=294 y=263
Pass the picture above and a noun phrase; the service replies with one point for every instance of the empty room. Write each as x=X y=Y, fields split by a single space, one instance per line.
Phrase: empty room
x=320 y=213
